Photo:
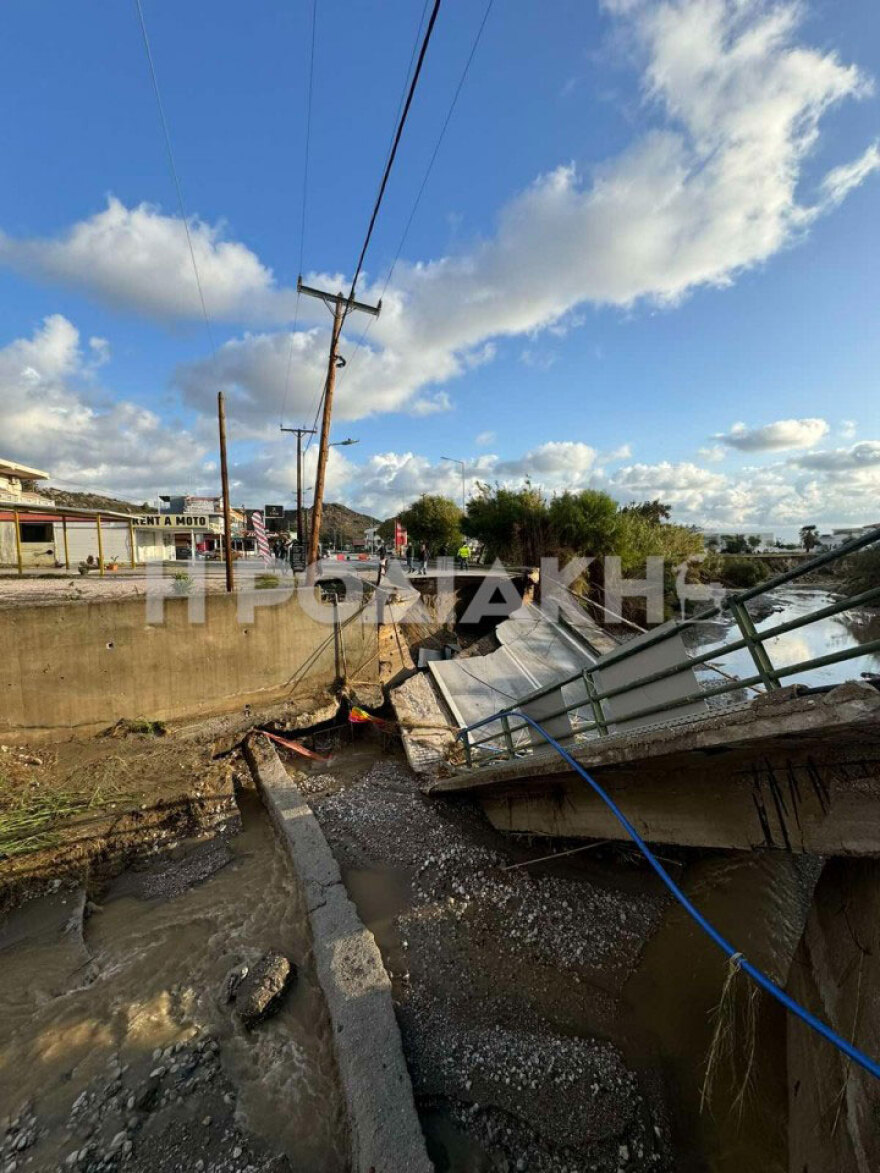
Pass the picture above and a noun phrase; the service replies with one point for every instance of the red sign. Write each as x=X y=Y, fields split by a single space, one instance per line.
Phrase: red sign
x=399 y=535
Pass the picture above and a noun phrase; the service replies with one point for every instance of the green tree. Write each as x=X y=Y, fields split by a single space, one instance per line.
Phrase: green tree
x=809 y=535
x=735 y=544
x=386 y=530
x=655 y=510
x=587 y=522
x=754 y=541
x=437 y=521
x=511 y=523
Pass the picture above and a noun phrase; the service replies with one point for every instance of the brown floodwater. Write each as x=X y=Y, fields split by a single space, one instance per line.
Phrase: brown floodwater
x=147 y=971
x=759 y=901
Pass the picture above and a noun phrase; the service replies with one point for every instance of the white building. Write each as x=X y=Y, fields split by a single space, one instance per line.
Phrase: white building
x=838 y=537
x=36 y=533
x=766 y=538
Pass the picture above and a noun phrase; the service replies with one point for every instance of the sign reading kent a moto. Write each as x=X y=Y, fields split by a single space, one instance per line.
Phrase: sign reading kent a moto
x=172 y=521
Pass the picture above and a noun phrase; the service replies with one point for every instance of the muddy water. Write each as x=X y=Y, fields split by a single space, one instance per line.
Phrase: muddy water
x=760 y=902
x=143 y=973
x=846 y=630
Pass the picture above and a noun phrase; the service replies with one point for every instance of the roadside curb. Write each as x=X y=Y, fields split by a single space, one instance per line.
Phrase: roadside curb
x=386 y=1136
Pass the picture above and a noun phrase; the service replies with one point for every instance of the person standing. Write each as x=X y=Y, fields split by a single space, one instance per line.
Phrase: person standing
x=464 y=553
x=409 y=558
x=383 y=562
x=423 y=558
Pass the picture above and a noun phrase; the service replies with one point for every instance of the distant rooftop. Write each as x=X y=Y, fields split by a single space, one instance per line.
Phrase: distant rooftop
x=11 y=468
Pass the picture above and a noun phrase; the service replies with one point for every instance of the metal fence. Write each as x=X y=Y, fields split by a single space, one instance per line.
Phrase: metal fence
x=591 y=705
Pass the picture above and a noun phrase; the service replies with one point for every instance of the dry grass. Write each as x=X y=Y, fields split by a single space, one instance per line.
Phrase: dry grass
x=33 y=817
x=734 y=1038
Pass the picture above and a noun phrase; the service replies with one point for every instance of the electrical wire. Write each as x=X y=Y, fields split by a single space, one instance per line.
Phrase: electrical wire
x=389 y=163
x=733 y=955
x=177 y=184
x=432 y=20
x=406 y=79
x=428 y=171
x=302 y=229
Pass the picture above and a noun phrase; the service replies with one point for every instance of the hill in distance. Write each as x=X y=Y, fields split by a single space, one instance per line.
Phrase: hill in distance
x=94 y=501
x=343 y=525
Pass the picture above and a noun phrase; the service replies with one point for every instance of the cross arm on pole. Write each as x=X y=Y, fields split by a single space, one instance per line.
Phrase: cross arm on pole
x=330 y=299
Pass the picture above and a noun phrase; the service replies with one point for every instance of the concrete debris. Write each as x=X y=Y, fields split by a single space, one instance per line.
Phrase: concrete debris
x=259 y=993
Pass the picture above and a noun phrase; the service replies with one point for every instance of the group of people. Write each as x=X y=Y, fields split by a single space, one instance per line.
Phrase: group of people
x=422 y=558
x=417 y=563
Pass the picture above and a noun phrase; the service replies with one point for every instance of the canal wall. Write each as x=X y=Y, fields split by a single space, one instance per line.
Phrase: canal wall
x=79 y=667
x=383 y=1124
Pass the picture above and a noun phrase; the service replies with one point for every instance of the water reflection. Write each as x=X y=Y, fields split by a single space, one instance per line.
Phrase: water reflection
x=835 y=633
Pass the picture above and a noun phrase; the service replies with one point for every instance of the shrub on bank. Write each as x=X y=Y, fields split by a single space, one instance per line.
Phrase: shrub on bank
x=863 y=572
x=740 y=574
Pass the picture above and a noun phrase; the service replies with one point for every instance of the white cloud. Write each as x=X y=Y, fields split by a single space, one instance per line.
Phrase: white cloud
x=863 y=455
x=847 y=429
x=139 y=258
x=52 y=415
x=709 y=191
x=840 y=181
x=484 y=438
x=775 y=437
x=769 y=497
x=713 y=454
x=622 y=452
x=556 y=464
x=431 y=404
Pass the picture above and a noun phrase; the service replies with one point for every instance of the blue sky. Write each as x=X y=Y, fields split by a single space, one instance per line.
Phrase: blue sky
x=645 y=258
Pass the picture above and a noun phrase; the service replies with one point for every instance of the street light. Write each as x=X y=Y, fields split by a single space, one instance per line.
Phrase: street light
x=453 y=460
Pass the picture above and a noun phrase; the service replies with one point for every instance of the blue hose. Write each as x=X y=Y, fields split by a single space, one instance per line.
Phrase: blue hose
x=709 y=929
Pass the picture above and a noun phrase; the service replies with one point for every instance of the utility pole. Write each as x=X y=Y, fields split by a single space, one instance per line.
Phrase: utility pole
x=341 y=306
x=300 y=524
x=224 y=485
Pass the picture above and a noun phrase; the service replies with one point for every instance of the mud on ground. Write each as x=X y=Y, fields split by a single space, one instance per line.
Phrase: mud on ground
x=91 y=806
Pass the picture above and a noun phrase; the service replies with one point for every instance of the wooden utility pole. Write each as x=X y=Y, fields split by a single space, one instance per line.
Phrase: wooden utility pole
x=324 y=442
x=224 y=485
x=300 y=523
x=342 y=306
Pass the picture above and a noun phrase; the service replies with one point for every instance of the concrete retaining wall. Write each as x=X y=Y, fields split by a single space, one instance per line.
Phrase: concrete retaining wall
x=79 y=667
x=385 y=1132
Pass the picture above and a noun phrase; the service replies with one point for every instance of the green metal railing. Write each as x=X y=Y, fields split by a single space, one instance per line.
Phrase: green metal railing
x=503 y=744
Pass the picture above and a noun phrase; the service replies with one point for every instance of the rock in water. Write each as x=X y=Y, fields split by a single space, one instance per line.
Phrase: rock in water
x=260 y=993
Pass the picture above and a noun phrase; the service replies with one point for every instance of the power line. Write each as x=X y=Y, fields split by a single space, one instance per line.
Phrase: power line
x=389 y=163
x=428 y=170
x=432 y=20
x=403 y=88
x=174 y=173
x=305 y=184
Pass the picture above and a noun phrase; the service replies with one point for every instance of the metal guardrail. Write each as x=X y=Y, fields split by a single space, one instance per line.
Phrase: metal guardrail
x=767 y=675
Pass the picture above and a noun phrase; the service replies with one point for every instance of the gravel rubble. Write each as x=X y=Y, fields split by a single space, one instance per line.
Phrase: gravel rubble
x=501 y=979
x=174 y=1113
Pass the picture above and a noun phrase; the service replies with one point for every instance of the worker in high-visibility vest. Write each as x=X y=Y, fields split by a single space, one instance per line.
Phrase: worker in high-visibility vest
x=464 y=553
